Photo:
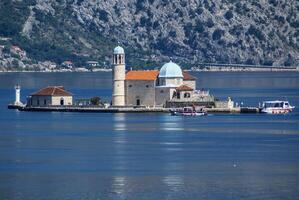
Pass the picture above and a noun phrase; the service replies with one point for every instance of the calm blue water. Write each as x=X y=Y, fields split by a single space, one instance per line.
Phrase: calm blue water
x=150 y=156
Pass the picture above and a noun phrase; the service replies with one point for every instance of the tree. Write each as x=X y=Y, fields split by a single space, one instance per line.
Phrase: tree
x=228 y=15
x=96 y=101
x=217 y=34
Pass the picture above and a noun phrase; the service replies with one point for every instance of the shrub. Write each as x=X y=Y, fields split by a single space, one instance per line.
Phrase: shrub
x=229 y=15
x=217 y=34
x=103 y=15
x=199 y=27
x=172 y=34
x=95 y=101
x=256 y=32
x=210 y=23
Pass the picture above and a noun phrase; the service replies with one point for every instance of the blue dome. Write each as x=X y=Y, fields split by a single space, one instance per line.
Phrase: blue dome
x=171 y=70
x=119 y=50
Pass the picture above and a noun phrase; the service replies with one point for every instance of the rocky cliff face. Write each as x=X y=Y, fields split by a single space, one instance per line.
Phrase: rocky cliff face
x=188 y=31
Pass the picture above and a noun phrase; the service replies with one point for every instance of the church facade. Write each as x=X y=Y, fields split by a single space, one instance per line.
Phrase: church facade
x=149 y=88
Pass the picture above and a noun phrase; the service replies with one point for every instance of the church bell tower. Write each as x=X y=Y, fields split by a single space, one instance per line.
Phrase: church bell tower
x=119 y=73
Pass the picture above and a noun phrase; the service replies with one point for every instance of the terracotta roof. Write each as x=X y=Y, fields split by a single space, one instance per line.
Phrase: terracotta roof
x=188 y=77
x=145 y=75
x=52 y=91
x=184 y=88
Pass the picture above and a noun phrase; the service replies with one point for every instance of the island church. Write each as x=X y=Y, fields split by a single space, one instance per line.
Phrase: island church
x=150 y=88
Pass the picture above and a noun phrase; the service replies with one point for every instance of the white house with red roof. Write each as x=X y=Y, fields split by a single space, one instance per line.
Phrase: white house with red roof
x=67 y=64
x=17 y=50
x=50 y=96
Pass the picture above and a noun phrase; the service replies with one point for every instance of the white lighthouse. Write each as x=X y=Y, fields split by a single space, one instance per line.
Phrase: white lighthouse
x=18 y=94
x=119 y=73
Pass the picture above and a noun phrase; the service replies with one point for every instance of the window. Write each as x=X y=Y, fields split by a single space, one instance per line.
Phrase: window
x=147 y=86
x=161 y=91
x=61 y=101
x=130 y=85
x=174 y=94
x=37 y=102
x=187 y=95
x=45 y=102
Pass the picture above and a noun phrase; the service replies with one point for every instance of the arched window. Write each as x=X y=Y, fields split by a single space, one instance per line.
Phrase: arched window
x=174 y=94
x=62 y=101
x=187 y=95
x=119 y=59
x=178 y=95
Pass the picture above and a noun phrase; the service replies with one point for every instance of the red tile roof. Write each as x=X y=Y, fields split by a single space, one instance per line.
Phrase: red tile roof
x=145 y=75
x=67 y=62
x=52 y=91
x=184 y=88
x=188 y=77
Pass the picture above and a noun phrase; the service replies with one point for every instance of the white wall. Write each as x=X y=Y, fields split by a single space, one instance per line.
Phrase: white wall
x=118 y=98
x=163 y=94
x=190 y=83
x=40 y=101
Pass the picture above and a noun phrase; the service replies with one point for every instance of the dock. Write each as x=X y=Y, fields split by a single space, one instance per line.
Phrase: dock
x=126 y=109
x=94 y=109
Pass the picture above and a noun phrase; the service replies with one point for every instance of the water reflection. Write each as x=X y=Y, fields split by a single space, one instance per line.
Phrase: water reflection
x=171 y=123
x=119 y=122
x=119 y=185
x=174 y=182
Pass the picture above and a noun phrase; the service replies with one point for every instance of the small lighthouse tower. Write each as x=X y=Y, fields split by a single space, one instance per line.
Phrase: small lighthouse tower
x=18 y=94
x=119 y=73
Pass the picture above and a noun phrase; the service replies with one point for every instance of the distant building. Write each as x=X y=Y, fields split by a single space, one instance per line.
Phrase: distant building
x=67 y=64
x=92 y=64
x=150 y=88
x=50 y=96
x=49 y=65
x=17 y=50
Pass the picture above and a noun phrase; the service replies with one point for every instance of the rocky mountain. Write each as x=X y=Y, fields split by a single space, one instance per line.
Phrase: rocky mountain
x=189 y=32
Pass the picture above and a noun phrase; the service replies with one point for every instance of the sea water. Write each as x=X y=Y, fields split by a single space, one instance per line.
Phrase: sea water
x=48 y=155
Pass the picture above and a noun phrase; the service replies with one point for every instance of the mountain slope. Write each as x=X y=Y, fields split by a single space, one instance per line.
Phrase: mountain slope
x=152 y=31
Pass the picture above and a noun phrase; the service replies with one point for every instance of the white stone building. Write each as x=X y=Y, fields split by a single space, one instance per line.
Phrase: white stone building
x=150 y=88
x=50 y=96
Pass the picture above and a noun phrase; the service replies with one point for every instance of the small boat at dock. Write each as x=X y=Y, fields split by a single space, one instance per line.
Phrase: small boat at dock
x=276 y=107
x=187 y=111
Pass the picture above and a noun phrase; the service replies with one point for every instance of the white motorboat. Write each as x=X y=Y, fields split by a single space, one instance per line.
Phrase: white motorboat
x=276 y=107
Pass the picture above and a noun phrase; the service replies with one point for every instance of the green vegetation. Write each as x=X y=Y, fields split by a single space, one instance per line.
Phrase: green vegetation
x=13 y=14
x=256 y=32
x=96 y=101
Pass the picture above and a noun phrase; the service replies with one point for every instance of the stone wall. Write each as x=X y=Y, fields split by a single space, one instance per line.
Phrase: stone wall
x=176 y=104
x=191 y=84
x=224 y=104
x=42 y=101
x=68 y=100
x=144 y=91
x=118 y=96
x=163 y=94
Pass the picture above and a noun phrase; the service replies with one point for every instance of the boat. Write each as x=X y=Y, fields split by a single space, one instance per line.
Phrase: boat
x=276 y=107
x=188 y=111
